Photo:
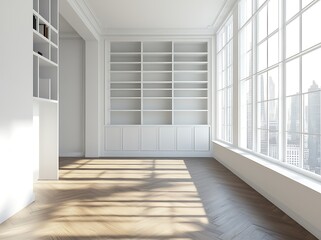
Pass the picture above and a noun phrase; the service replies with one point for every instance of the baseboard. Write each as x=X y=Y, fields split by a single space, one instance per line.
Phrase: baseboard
x=71 y=154
x=166 y=154
x=308 y=222
x=17 y=207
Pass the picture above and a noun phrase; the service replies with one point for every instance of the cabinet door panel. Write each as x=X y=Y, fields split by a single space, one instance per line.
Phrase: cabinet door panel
x=149 y=138
x=185 y=138
x=131 y=138
x=202 y=138
x=113 y=139
x=167 y=139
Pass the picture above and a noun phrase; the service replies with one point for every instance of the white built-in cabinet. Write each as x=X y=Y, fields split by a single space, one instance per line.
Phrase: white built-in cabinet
x=157 y=138
x=45 y=87
x=157 y=95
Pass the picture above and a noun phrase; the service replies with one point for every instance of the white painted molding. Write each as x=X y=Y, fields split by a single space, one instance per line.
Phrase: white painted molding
x=226 y=9
x=81 y=19
x=156 y=154
x=86 y=14
x=92 y=17
x=159 y=32
x=72 y=154
x=20 y=203
x=271 y=180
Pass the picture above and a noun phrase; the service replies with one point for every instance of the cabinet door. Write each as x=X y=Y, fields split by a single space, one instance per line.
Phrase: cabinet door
x=131 y=138
x=185 y=138
x=149 y=138
x=167 y=139
x=202 y=138
x=113 y=139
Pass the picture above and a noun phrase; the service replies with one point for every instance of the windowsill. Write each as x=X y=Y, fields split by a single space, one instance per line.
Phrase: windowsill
x=298 y=175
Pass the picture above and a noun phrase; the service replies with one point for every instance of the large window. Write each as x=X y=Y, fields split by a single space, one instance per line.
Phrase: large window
x=303 y=84
x=279 y=56
x=224 y=81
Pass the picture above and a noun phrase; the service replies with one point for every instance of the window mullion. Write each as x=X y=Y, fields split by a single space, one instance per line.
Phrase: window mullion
x=254 y=79
x=282 y=84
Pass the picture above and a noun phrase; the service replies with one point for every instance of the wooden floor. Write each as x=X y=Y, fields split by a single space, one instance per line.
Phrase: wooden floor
x=149 y=199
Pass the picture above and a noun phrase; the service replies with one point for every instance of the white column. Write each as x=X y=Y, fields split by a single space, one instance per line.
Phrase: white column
x=92 y=95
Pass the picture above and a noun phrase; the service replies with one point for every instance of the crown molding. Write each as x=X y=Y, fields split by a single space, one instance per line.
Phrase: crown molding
x=158 y=32
x=228 y=6
x=86 y=15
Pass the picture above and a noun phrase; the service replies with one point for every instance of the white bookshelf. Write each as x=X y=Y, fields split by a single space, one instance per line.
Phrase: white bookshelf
x=158 y=83
x=46 y=88
x=45 y=48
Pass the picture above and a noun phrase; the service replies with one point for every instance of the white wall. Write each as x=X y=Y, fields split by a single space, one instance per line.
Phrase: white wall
x=297 y=196
x=71 y=99
x=16 y=111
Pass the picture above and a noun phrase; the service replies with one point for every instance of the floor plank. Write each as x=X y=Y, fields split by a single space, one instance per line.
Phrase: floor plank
x=179 y=199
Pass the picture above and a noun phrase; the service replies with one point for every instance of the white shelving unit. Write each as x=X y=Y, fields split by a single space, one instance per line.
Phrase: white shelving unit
x=125 y=84
x=158 y=83
x=46 y=87
x=190 y=83
x=45 y=49
x=157 y=98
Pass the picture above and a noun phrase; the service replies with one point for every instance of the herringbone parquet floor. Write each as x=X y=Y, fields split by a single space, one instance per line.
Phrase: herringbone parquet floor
x=176 y=199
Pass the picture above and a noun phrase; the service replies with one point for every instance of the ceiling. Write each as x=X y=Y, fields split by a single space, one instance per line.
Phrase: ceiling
x=155 y=14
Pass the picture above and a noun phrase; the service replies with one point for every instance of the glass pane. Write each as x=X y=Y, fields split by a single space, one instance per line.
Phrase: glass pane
x=262 y=87
x=229 y=29
x=224 y=78
x=229 y=134
x=274 y=145
x=293 y=114
x=219 y=43
x=262 y=56
x=228 y=116
x=229 y=97
x=245 y=11
x=273 y=83
x=220 y=116
x=293 y=147
x=246 y=92
x=273 y=56
x=246 y=65
x=219 y=71
x=245 y=51
x=262 y=115
x=273 y=115
x=262 y=24
x=311 y=71
x=259 y=3
x=292 y=7
x=246 y=115
x=292 y=38
x=305 y=3
x=311 y=116
x=310 y=35
x=293 y=77
x=229 y=52
x=229 y=77
x=262 y=141
x=311 y=153
x=273 y=15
